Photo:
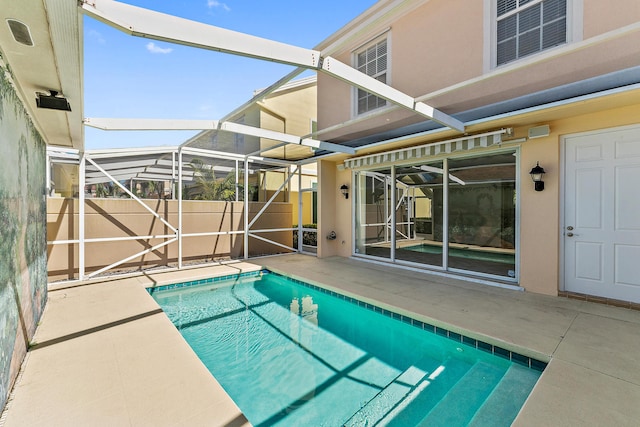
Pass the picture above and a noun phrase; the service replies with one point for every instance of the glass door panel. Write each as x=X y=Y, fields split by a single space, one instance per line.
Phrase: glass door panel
x=373 y=213
x=482 y=214
x=419 y=214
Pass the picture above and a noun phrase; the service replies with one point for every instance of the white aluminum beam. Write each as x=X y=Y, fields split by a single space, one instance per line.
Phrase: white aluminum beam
x=129 y=258
x=153 y=25
x=150 y=124
x=141 y=22
x=125 y=152
x=350 y=75
x=284 y=137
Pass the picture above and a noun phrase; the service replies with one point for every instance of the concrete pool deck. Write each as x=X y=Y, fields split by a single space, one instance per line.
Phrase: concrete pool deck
x=105 y=354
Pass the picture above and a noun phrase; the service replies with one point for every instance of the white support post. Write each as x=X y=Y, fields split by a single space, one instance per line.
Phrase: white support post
x=386 y=209
x=48 y=174
x=81 y=244
x=173 y=175
x=246 y=208
x=445 y=214
x=300 y=234
x=393 y=213
x=180 y=196
x=237 y=182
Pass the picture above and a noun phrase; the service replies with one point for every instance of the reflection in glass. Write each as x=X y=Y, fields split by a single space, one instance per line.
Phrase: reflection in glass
x=373 y=213
x=482 y=214
x=478 y=199
x=419 y=238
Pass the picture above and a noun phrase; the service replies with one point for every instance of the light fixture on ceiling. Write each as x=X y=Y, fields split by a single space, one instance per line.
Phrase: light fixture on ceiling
x=53 y=101
x=20 y=32
x=536 y=175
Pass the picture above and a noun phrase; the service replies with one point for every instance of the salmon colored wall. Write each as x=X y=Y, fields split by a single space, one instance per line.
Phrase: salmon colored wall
x=540 y=211
x=334 y=210
x=437 y=53
x=127 y=217
x=602 y=16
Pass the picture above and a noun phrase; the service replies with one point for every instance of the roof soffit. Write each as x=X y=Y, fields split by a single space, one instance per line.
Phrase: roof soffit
x=52 y=63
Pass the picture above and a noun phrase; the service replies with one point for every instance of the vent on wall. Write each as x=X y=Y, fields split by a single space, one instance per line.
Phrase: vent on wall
x=20 y=32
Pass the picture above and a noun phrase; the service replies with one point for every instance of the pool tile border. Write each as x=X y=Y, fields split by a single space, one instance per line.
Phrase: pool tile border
x=504 y=353
x=206 y=281
x=518 y=358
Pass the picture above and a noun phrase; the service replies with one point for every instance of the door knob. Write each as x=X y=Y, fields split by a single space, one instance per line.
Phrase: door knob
x=569 y=228
x=569 y=234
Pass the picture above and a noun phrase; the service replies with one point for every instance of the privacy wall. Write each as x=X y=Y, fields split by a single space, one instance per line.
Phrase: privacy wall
x=23 y=256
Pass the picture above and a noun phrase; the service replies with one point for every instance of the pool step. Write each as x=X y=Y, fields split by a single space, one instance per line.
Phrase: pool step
x=459 y=405
x=413 y=391
x=400 y=389
x=507 y=397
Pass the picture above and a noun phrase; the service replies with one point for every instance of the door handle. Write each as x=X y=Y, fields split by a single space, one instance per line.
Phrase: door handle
x=569 y=228
x=569 y=234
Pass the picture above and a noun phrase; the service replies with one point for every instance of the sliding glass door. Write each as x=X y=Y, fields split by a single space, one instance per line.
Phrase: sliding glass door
x=456 y=214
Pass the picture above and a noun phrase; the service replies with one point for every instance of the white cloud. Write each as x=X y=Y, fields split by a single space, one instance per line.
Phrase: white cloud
x=97 y=36
x=151 y=47
x=211 y=4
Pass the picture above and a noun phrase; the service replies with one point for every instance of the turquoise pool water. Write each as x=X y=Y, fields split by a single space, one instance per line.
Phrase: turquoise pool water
x=291 y=354
x=465 y=253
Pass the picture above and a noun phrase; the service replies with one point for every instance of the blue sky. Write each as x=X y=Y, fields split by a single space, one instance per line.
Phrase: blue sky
x=133 y=77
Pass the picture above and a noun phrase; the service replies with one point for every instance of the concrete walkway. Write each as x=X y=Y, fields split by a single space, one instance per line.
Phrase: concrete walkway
x=106 y=355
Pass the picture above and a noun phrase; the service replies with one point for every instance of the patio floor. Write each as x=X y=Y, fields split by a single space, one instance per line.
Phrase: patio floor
x=105 y=354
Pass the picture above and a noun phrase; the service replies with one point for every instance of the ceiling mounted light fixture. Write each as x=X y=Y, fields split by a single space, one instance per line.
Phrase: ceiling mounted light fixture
x=52 y=101
x=20 y=32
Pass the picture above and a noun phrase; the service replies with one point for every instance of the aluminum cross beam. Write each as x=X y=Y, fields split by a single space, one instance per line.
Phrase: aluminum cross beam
x=146 y=23
x=175 y=124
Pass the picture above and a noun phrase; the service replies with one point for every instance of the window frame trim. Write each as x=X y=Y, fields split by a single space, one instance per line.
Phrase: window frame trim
x=575 y=16
x=385 y=34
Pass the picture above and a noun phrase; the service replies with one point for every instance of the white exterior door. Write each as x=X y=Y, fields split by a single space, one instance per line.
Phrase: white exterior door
x=602 y=214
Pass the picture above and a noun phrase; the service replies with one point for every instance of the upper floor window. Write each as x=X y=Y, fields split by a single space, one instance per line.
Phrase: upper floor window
x=524 y=27
x=371 y=60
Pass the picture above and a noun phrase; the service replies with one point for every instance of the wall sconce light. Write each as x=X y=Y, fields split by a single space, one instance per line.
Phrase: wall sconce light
x=344 y=189
x=536 y=175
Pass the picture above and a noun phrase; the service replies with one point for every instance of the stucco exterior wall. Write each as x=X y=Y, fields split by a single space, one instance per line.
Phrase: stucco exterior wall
x=121 y=218
x=335 y=211
x=540 y=254
x=436 y=55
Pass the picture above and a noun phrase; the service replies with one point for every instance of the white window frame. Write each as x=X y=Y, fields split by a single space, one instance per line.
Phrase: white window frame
x=354 y=62
x=574 y=27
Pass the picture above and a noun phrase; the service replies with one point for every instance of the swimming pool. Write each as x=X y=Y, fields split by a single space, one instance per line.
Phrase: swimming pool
x=293 y=354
